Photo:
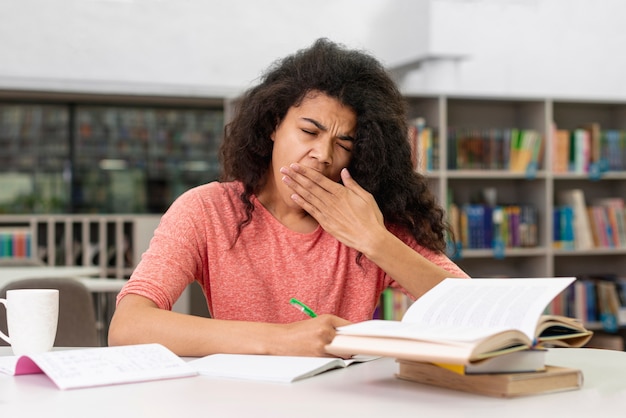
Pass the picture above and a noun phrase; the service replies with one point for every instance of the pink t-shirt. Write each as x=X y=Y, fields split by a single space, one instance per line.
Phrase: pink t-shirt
x=269 y=263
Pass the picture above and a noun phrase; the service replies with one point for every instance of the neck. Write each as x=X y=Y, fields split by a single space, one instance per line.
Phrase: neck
x=292 y=216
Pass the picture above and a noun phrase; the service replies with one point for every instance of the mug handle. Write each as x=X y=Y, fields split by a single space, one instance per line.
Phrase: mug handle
x=2 y=334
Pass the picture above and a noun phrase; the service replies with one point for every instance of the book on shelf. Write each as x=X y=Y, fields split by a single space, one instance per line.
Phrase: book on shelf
x=595 y=142
x=614 y=214
x=561 y=150
x=424 y=146
x=274 y=369
x=609 y=306
x=614 y=149
x=516 y=150
x=575 y=198
x=480 y=226
x=100 y=366
x=580 y=151
x=503 y=385
x=15 y=242
x=462 y=321
x=598 y=300
x=526 y=146
x=563 y=228
x=588 y=149
x=599 y=225
x=393 y=304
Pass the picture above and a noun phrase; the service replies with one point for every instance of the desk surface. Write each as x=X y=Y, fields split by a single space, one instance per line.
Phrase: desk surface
x=84 y=274
x=362 y=390
x=16 y=273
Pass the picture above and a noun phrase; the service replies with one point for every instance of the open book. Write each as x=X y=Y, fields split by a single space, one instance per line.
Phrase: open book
x=89 y=367
x=461 y=321
x=277 y=369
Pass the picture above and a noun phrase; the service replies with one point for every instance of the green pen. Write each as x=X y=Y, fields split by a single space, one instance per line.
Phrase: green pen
x=302 y=307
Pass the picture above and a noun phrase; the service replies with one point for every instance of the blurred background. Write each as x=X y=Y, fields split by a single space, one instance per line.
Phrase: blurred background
x=117 y=106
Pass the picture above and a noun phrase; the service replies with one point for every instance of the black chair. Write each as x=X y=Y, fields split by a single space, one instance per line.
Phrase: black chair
x=77 y=319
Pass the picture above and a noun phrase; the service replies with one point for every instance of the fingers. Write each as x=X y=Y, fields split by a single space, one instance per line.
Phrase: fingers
x=311 y=188
x=310 y=183
x=351 y=184
x=302 y=179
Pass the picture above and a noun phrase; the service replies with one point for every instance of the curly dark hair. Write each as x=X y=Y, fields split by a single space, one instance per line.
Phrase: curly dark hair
x=381 y=155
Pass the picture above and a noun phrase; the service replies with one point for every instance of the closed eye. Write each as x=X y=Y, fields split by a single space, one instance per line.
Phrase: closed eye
x=347 y=148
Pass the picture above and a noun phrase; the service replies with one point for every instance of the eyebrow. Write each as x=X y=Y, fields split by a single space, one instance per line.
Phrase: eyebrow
x=324 y=128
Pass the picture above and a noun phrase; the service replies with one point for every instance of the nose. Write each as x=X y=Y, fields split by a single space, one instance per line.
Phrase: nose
x=323 y=150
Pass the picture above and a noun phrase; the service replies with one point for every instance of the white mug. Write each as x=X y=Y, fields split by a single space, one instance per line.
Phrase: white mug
x=32 y=318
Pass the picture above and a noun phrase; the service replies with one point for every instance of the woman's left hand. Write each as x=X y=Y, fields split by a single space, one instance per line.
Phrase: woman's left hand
x=348 y=212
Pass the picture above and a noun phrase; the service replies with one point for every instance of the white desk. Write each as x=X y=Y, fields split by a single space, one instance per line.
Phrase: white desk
x=361 y=391
x=9 y=274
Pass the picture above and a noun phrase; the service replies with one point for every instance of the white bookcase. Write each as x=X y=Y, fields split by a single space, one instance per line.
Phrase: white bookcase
x=114 y=243
x=540 y=190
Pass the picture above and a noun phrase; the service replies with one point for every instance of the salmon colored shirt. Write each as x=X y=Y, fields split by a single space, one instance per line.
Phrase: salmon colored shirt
x=268 y=264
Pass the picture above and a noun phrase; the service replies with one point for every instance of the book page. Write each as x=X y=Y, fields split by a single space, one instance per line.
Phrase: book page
x=110 y=365
x=278 y=369
x=495 y=304
x=7 y=364
x=450 y=334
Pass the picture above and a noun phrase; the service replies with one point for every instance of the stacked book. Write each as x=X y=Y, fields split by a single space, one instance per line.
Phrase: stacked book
x=485 y=336
x=516 y=374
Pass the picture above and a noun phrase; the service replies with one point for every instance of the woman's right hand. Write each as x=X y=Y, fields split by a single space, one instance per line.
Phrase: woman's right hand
x=304 y=338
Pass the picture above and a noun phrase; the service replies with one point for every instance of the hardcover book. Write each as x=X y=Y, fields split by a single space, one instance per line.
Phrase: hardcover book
x=503 y=385
x=463 y=321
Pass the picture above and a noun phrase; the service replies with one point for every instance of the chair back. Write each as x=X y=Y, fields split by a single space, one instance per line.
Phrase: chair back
x=77 y=319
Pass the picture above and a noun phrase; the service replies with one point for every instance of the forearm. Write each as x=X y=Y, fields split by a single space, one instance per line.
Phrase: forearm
x=410 y=269
x=137 y=320
x=186 y=335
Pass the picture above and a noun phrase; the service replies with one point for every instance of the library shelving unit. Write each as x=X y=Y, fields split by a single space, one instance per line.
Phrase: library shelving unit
x=114 y=243
x=539 y=188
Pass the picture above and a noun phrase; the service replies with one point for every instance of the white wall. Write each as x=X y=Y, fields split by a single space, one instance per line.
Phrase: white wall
x=554 y=48
x=183 y=47
x=212 y=48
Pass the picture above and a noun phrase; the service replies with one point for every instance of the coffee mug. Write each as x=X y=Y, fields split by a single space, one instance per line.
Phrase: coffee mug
x=32 y=318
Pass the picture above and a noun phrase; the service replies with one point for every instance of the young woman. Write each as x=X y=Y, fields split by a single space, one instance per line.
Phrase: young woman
x=318 y=202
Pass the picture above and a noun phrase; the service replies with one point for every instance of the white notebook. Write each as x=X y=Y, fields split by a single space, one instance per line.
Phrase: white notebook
x=88 y=367
x=277 y=369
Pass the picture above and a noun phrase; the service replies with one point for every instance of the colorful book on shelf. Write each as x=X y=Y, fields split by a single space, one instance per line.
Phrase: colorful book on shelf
x=503 y=385
x=526 y=146
x=462 y=321
x=616 y=216
x=423 y=145
x=575 y=198
x=563 y=234
x=615 y=149
x=560 y=155
x=595 y=142
x=580 y=151
x=15 y=242
x=393 y=304
x=100 y=366
x=482 y=226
